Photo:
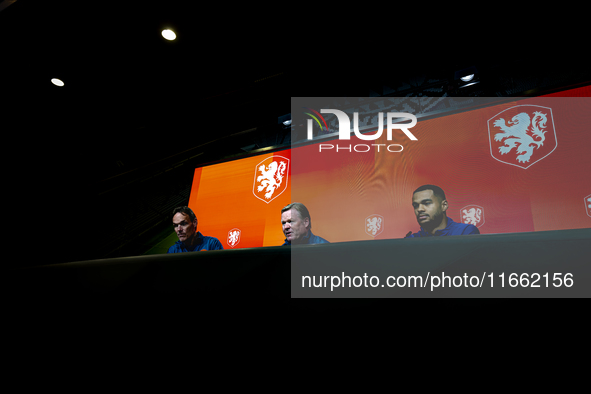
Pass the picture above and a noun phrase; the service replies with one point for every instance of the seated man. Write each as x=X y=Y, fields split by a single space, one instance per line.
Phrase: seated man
x=430 y=207
x=297 y=226
x=184 y=222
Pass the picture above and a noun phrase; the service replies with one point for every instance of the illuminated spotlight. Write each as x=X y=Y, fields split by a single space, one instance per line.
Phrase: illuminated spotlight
x=284 y=121
x=168 y=34
x=469 y=84
x=57 y=82
x=469 y=75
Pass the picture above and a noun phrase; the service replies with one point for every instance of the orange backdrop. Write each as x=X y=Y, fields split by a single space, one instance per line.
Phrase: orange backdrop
x=342 y=190
x=223 y=199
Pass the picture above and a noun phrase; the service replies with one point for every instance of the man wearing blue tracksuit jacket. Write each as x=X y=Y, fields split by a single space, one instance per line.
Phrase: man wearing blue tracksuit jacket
x=184 y=222
x=297 y=226
x=430 y=206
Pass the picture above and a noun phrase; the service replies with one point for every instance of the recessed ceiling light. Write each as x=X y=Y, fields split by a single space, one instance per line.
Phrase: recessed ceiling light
x=469 y=84
x=168 y=34
x=57 y=82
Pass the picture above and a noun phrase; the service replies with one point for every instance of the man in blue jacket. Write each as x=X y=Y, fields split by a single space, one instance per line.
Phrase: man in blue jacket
x=430 y=207
x=297 y=225
x=184 y=222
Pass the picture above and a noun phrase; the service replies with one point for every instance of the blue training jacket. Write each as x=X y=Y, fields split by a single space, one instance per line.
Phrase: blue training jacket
x=311 y=238
x=206 y=243
x=452 y=228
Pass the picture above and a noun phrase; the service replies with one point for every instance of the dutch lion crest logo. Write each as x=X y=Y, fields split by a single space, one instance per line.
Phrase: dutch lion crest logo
x=270 y=178
x=233 y=237
x=522 y=135
x=374 y=225
x=472 y=214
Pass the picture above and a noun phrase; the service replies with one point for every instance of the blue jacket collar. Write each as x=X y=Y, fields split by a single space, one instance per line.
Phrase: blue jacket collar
x=306 y=239
x=199 y=242
x=446 y=230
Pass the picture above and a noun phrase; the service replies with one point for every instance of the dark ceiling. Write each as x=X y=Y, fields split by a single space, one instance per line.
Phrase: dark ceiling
x=131 y=97
x=129 y=94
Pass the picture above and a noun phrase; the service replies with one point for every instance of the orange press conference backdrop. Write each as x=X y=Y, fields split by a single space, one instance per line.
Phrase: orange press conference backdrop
x=367 y=195
x=239 y=202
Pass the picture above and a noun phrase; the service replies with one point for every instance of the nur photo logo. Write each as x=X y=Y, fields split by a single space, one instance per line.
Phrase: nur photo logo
x=345 y=130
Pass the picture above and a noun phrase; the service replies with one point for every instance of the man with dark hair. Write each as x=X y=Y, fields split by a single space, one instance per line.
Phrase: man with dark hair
x=430 y=205
x=184 y=222
x=297 y=225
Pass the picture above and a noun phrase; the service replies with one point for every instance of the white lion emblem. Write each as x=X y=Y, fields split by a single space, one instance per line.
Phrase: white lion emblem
x=271 y=178
x=374 y=224
x=233 y=237
x=472 y=216
x=516 y=134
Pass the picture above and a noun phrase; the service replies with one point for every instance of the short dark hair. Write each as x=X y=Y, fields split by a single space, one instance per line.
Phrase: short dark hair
x=301 y=208
x=186 y=211
x=436 y=191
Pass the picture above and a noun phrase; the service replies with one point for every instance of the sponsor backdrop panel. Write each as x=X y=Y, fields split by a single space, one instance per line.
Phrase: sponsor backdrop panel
x=337 y=190
x=239 y=202
x=515 y=167
x=280 y=197
x=518 y=166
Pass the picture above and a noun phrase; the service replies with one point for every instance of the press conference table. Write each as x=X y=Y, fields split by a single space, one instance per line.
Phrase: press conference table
x=265 y=273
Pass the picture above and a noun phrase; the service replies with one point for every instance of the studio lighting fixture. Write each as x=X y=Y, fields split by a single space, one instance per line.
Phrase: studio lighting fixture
x=168 y=34
x=469 y=84
x=284 y=120
x=466 y=77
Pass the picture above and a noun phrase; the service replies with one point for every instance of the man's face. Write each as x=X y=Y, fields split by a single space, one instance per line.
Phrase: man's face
x=294 y=227
x=428 y=208
x=185 y=229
